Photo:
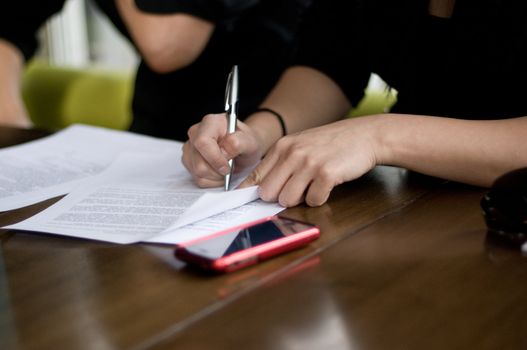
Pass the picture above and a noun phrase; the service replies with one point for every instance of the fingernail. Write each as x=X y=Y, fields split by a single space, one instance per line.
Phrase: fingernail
x=224 y=170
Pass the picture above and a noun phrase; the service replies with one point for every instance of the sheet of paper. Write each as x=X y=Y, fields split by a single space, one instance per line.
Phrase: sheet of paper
x=53 y=166
x=141 y=196
x=246 y=213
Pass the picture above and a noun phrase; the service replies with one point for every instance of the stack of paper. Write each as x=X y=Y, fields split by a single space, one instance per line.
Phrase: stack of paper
x=122 y=187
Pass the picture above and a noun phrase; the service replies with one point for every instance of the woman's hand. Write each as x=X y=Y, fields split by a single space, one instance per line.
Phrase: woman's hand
x=306 y=166
x=209 y=148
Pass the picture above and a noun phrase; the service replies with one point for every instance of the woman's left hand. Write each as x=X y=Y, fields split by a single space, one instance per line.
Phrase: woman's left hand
x=306 y=166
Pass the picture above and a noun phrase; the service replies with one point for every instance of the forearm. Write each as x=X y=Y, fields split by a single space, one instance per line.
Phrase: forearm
x=473 y=152
x=305 y=98
x=167 y=42
x=12 y=111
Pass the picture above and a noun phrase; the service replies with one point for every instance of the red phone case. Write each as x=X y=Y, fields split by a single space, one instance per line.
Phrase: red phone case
x=251 y=255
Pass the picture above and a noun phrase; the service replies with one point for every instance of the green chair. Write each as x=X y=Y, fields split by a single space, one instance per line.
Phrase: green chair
x=374 y=102
x=56 y=97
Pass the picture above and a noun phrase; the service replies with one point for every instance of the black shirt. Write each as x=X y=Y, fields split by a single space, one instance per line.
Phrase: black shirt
x=471 y=65
x=257 y=35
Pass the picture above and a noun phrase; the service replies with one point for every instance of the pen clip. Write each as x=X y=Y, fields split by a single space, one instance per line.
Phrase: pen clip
x=228 y=91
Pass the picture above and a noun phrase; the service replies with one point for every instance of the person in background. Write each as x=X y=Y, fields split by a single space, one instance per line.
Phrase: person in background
x=458 y=67
x=187 y=49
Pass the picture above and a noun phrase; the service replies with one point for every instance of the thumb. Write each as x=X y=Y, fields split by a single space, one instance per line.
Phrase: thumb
x=254 y=179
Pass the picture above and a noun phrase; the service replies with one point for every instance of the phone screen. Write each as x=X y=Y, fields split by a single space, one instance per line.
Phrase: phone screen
x=232 y=242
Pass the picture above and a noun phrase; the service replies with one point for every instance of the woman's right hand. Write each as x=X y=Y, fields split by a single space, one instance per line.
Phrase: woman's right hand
x=209 y=148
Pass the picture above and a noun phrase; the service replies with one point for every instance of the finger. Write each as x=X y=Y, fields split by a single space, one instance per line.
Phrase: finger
x=232 y=144
x=290 y=162
x=202 y=169
x=208 y=183
x=261 y=170
x=321 y=187
x=186 y=156
x=214 y=125
x=277 y=176
x=197 y=166
x=191 y=132
x=293 y=191
x=274 y=172
x=241 y=142
x=205 y=139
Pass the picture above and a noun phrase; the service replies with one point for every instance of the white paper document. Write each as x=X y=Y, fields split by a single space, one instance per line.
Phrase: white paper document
x=55 y=165
x=147 y=197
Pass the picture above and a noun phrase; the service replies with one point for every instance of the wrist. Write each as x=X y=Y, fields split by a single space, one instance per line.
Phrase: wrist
x=267 y=128
x=397 y=138
x=383 y=138
x=277 y=115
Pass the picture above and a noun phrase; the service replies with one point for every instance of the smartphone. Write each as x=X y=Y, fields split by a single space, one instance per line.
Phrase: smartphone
x=247 y=244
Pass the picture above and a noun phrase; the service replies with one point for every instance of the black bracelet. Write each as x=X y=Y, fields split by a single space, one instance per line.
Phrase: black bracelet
x=277 y=115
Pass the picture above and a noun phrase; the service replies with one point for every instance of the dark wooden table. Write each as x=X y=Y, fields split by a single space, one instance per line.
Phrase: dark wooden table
x=403 y=263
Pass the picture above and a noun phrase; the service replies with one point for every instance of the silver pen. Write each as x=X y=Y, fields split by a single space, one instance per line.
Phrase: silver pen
x=231 y=109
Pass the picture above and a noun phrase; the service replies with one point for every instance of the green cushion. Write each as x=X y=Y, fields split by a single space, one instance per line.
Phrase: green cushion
x=56 y=97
